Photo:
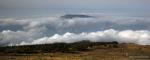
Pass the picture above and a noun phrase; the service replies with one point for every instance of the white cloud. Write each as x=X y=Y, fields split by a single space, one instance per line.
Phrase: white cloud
x=55 y=29
x=127 y=36
x=141 y=37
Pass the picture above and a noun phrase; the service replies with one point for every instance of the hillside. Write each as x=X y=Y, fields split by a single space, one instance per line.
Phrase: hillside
x=83 y=50
x=56 y=47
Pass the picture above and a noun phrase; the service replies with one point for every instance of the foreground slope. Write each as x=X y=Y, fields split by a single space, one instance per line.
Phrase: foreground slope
x=96 y=52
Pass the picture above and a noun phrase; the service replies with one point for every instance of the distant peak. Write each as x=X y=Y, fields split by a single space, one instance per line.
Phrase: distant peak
x=71 y=16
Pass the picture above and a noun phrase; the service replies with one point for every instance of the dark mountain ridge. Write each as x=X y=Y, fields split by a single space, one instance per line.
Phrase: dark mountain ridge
x=71 y=16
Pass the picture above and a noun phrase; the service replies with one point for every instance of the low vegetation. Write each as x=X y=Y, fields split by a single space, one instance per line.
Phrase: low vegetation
x=57 y=47
x=82 y=50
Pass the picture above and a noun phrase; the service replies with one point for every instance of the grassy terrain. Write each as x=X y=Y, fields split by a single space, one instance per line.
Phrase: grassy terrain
x=123 y=52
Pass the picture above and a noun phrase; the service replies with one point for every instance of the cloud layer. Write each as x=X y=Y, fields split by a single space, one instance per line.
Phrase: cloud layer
x=21 y=31
x=141 y=37
x=127 y=36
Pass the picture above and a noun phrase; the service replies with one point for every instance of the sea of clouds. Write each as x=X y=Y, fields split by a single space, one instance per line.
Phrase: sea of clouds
x=28 y=31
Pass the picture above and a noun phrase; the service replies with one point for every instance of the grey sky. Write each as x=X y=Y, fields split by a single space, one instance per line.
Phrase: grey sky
x=74 y=3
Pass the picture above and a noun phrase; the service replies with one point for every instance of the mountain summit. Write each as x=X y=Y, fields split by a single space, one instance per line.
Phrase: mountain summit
x=71 y=16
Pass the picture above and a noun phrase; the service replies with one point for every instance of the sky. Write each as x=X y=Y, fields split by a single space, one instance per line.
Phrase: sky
x=95 y=4
x=28 y=22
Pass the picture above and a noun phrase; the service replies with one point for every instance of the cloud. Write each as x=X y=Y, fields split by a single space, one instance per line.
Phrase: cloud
x=141 y=37
x=57 y=24
x=19 y=31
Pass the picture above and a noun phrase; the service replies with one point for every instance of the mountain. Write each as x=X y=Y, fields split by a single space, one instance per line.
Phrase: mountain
x=71 y=16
